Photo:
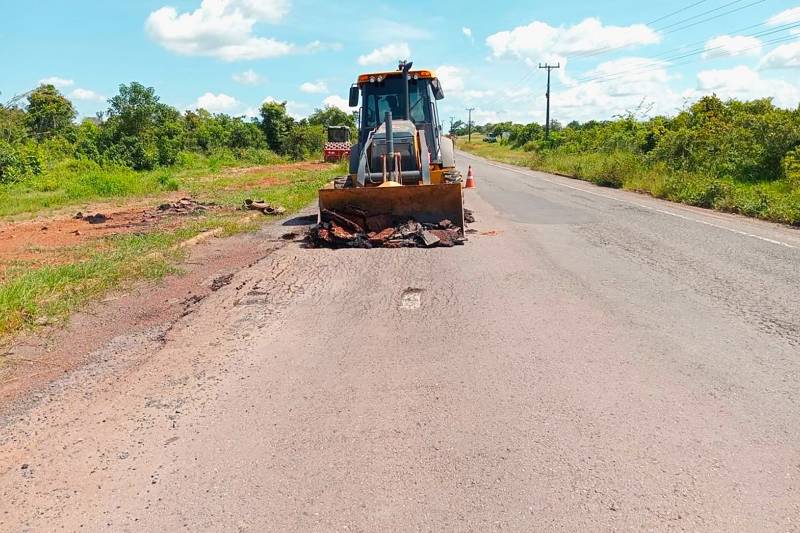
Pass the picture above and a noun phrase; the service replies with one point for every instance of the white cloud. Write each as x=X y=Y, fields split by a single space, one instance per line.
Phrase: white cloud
x=314 y=87
x=732 y=46
x=296 y=110
x=86 y=95
x=221 y=29
x=264 y=10
x=452 y=78
x=630 y=71
x=630 y=84
x=57 y=82
x=784 y=56
x=319 y=46
x=539 y=39
x=746 y=84
x=785 y=17
x=216 y=103
x=467 y=33
x=485 y=116
x=335 y=100
x=478 y=94
x=637 y=83
x=248 y=77
x=386 y=54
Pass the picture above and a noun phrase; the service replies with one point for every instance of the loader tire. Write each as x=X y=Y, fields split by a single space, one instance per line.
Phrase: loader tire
x=343 y=182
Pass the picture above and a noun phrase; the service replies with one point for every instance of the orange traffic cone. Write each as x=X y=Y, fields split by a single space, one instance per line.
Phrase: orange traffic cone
x=470 y=184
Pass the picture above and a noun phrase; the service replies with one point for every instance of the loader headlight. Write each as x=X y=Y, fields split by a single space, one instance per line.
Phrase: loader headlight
x=380 y=79
x=372 y=79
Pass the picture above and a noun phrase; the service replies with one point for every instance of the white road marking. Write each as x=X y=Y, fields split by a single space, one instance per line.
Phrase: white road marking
x=643 y=206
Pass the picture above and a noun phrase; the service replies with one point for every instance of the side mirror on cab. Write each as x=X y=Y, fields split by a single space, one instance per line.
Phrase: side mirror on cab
x=354 y=94
x=436 y=85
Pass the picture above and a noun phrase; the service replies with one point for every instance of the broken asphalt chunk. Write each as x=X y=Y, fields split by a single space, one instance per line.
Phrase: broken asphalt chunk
x=264 y=207
x=429 y=239
x=342 y=220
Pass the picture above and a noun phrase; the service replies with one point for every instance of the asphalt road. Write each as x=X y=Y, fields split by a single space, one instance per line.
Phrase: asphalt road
x=591 y=360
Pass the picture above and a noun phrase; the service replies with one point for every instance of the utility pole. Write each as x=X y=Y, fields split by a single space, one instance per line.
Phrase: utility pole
x=549 y=68
x=452 y=121
x=469 y=124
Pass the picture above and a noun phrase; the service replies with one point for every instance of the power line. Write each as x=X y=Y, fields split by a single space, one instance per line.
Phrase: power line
x=607 y=49
x=723 y=6
x=660 y=62
x=616 y=76
x=659 y=19
x=673 y=27
x=715 y=17
x=774 y=29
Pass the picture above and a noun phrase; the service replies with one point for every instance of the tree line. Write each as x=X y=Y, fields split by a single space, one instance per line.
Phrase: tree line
x=731 y=155
x=140 y=132
x=745 y=141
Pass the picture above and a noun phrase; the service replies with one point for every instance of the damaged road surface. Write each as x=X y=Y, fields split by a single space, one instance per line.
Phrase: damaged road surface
x=356 y=229
x=592 y=360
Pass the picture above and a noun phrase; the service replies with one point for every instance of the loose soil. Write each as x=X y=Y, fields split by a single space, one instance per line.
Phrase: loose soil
x=36 y=359
x=42 y=241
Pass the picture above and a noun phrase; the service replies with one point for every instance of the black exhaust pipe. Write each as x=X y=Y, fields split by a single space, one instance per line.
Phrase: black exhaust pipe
x=404 y=67
x=389 y=142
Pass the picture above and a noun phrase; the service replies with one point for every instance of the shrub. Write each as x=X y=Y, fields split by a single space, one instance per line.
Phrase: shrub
x=615 y=168
x=11 y=167
x=19 y=162
x=701 y=191
x=791 y=168
x=303 y=141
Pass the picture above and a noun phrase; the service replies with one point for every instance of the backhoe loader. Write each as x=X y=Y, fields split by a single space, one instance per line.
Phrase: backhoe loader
x=402 y=166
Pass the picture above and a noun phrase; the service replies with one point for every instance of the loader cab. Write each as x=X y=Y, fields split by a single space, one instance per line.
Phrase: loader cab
x=382 y=92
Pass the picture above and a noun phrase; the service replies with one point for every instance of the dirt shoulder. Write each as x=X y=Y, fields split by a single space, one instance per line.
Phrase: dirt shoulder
x=72 y=281
x=38 y=358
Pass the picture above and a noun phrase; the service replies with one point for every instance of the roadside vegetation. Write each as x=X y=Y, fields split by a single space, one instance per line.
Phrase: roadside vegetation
x=733 y=156
x=138 y=154
x=41 y=291
x=139 y=146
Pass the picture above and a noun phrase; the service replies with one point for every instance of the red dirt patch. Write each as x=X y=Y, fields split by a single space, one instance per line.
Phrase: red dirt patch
x=43 y=241
x=266 y=176
x=272 y=169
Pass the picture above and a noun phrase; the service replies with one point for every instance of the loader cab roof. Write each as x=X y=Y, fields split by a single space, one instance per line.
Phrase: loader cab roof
x=373 y=77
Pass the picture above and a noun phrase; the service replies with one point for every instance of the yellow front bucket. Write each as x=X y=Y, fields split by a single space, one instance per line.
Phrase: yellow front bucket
x=423 y=203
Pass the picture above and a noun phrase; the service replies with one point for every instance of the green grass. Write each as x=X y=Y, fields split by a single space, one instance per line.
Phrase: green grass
x=31 y=296
x=74 y=182
x=300 y=190
x=775 y=201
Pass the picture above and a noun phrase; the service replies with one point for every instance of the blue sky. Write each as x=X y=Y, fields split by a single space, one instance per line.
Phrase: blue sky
x=231 y=55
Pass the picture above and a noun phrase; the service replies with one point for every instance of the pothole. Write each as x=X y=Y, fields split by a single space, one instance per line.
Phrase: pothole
x=411 y=299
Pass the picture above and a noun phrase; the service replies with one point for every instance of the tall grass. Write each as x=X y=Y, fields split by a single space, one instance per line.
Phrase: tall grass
x=73 y=181
x=776 y=201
